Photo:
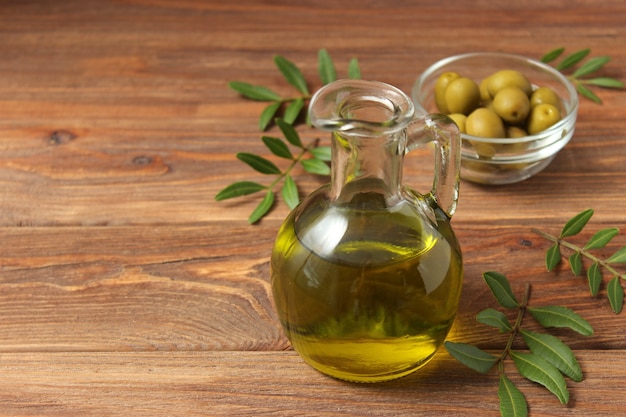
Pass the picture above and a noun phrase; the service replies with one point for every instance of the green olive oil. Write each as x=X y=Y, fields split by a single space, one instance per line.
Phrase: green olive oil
x=366 y=295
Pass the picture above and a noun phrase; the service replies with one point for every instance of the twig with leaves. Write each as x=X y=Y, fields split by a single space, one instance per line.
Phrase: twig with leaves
x=615 y=291
x=587 y=68
x=313 y=157
x=549 y=361
x=293 y=106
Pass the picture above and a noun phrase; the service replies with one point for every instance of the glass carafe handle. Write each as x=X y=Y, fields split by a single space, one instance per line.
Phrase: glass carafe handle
x=444 y=133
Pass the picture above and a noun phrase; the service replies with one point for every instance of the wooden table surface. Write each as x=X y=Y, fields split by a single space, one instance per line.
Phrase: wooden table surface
x=126 y=289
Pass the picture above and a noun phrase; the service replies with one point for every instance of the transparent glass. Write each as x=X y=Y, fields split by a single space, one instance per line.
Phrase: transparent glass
x=367 y=272
x=498 y=161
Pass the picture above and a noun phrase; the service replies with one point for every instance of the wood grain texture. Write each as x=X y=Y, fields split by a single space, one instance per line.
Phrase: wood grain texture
x=276 y=383
x=126 y=289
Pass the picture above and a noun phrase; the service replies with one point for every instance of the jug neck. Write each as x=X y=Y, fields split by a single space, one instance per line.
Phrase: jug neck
x=368 y=121
x=363 y=165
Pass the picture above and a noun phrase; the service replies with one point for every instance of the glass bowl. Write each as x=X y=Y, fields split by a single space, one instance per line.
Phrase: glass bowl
x=503 y=160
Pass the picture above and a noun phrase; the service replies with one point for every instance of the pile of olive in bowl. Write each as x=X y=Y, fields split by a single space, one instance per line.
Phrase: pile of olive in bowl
x=514 y=113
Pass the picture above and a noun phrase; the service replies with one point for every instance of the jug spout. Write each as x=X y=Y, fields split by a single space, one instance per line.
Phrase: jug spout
x=364 y=108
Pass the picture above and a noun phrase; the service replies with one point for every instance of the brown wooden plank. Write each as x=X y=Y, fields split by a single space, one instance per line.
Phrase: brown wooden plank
x=199 y=288
x=276 y=383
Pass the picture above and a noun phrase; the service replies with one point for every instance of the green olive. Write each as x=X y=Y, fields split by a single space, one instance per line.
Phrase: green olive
x=485 y=97
x=462 y=96
x=512 y=105
x=440 y=89
x=508 y=78
x=545 y=95
x=541 y=117
x=515 y=132
x=459 y=119
x=484 y=123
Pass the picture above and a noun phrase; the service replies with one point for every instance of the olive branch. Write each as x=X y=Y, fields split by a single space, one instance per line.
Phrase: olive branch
x=566 y=66
x=548 y=360
x=284 y=111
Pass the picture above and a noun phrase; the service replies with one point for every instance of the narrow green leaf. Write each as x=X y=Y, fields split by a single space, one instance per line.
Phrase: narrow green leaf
x=618 y=257
x=576 y=223
x=315 y=166
x=290 y=133
x=573 y=59
x=254 y=92
x=601 y=238
x=512 y=401
x=576 y=263
x=587 y=93
x=326 y=67
x=594 y=277
x=501 y=289
x=293 y=110
x=292 y=74
x=322 y=152
x=267 y=115
x=494 y=318
x=354 y=70
x=605 y=82
x=258 y=163
x=238 y=189
x=615 y=293
x=263 y=208
x=290 y=192
x=559 y=316
x=471 y=356
x=277 y=147
x=552 y=55
x=538 y=370
x=592 y=65
x=553 y=256
x=553 y=350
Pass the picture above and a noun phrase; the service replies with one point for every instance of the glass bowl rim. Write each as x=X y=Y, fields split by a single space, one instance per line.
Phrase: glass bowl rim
x=561 y=78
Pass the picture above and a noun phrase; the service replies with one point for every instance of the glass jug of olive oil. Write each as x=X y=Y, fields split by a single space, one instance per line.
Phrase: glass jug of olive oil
x=366 y=272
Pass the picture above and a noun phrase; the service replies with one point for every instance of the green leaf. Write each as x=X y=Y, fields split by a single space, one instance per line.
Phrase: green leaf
x=277 y=147
x=573 y=59
x=558 y=316
x=263 y=208
x=585 y=92
x=538 y=370
x=291 y=73
x=605 y=82
x=594 y=277
x=354 y=71
x=553 y=256
x=512 y=401
x=554 y=351
x=593 y=65
x=290 y=192
x=552 y=55
x=254 y=92
x=501 y=289
x=322 y=152
x=326 y=67
x=615 y=293
x=494 y=318
x=601 y=238
x=290 y=133
x=471 y=356
x=240 y=188
x=576 y=223
x=315 y=166
x=267 y=115
x=258 y=163
x=618 y=257
x=576 y=263
x=293 y=110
